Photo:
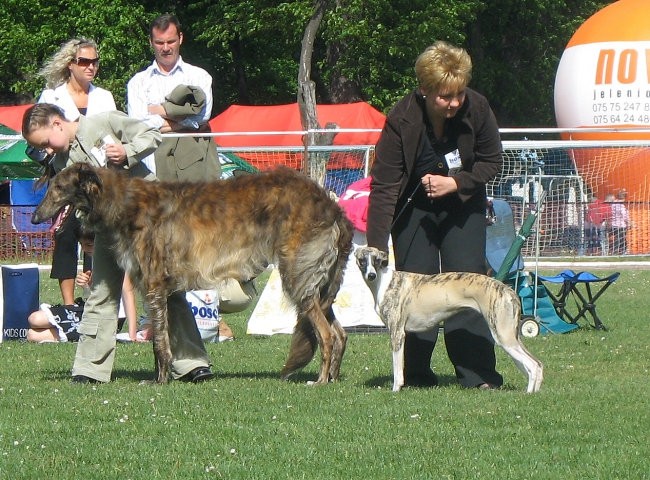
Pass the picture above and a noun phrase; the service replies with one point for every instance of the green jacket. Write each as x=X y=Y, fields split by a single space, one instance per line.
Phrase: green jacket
x=138 y=138
x=186 y=158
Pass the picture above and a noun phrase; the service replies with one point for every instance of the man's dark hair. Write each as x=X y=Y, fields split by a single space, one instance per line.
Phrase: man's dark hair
x=162 y=22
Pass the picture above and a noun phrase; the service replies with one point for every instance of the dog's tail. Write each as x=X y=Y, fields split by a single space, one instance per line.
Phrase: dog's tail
x=314 y=281
x=303 y=347
x=304 y=340
x=344 y=231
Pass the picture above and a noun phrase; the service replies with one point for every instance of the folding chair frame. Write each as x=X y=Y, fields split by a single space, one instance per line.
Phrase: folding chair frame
x=585 y=299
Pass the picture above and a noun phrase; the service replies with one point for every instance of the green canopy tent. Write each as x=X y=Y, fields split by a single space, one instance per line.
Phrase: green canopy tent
x=232 y=165
x=14 y=163
x=18 y=236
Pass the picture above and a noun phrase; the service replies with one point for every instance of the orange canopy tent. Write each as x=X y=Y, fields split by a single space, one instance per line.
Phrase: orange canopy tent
x=279 y=126
x=12 y=116
x=286 y=118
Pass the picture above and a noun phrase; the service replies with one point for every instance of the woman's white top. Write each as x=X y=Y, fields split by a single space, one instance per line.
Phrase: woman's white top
x=99 y=100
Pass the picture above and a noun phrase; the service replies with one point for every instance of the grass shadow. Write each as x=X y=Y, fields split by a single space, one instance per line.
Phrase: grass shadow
x=386 y=381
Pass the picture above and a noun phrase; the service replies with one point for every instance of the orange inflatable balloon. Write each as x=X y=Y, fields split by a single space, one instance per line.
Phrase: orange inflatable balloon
x=603 y=80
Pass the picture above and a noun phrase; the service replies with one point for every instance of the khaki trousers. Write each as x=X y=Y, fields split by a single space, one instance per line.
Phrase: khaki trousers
x=96 y=349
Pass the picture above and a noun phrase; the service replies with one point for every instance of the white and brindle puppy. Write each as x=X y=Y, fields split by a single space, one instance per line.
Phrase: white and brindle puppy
x=414 y=302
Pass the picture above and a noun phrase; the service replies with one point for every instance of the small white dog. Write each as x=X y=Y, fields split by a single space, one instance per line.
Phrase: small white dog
x=418 y=303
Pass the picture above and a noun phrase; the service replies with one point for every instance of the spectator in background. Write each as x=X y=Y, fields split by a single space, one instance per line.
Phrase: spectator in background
x=68 y=75
x=174 y=96
x=572 y=223
x=598 y=214
x=59 y=323
x=619 y=224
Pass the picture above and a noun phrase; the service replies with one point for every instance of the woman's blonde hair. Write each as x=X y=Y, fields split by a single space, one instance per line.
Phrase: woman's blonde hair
x=55 y=69
x=443 y=67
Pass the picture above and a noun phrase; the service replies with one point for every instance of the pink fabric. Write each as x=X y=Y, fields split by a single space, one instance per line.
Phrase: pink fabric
x=354 y=203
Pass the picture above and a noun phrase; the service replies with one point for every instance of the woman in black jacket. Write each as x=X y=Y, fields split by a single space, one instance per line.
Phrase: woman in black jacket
x=439 y=148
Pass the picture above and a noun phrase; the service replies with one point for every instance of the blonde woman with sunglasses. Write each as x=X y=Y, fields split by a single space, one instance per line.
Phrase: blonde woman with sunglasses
x=68 y=75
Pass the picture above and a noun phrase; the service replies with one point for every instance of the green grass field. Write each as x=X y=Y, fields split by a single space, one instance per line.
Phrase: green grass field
x=590 y=420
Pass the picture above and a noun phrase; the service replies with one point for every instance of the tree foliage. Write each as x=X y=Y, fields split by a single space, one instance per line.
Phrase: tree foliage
x=33 y=30
x=516 y=47
x=365 y=49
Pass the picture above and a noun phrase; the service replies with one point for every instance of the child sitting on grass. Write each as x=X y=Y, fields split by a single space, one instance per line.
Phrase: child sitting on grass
x=59 y=323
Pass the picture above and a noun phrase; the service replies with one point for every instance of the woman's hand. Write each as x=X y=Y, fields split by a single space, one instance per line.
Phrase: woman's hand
x=437 y=186
x=115 y=153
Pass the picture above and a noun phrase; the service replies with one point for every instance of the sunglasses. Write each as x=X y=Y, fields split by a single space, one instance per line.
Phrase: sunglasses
x=39 y=155
x=86 y=62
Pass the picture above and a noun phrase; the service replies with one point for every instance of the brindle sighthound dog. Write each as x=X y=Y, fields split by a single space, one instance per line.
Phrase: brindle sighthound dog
x=414 y=302
x=171 y=236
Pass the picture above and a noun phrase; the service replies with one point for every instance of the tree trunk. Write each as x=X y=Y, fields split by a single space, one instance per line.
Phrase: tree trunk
x=341 y=88
x=240 y=72
x=315 y=163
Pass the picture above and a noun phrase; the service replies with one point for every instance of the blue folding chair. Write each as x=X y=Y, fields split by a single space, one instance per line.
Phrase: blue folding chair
x=585 y=288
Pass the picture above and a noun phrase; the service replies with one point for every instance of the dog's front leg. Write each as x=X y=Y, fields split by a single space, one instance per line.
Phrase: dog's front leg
x=157 y=301
x=397 y=339
x=398 y=368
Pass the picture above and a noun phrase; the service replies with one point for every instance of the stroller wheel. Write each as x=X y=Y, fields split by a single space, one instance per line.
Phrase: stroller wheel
x=529 y=327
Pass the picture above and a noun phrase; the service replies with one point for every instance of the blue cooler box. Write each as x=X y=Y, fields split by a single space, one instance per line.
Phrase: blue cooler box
x=19 y=287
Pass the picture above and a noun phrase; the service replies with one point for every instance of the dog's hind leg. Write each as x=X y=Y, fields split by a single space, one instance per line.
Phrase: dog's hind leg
x=311 y=277
x=340 y=338
x=503 y=321
x=315 y=329
x=325 y=339
x=157 y=302
x=302 y=349
x=529 y=365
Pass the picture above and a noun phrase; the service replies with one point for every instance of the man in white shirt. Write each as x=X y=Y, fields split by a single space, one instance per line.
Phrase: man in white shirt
x=174 y=96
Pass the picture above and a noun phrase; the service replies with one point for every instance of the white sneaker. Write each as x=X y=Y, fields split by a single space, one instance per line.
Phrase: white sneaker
x=123 y=337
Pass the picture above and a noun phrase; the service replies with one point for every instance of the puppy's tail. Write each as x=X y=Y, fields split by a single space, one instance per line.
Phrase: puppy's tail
x=303 y=347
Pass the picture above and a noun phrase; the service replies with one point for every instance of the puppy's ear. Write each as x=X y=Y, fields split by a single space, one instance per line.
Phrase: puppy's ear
x=361 y=257
x=383 y=259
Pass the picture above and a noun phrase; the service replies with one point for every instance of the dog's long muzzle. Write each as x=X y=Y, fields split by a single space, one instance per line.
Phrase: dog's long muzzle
x=370 y=273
